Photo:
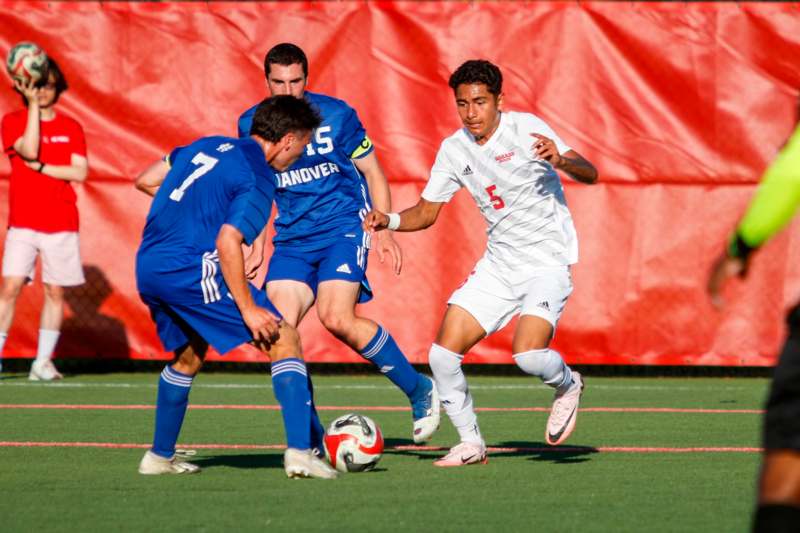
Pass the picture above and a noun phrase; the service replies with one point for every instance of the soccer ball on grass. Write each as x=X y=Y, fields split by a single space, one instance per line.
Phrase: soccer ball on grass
x=353 y=443
x=26 y=61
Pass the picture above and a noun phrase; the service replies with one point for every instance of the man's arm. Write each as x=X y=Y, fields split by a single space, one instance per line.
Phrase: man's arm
x=27 y=146
x=151 y=179
x=381 y=198
x=263 y=324
x=255 y=257
x=772 y=207
x=416 y=218
x=570 y=162
x=77 y=170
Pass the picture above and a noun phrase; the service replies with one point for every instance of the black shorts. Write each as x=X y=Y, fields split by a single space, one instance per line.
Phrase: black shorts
x=782 y=421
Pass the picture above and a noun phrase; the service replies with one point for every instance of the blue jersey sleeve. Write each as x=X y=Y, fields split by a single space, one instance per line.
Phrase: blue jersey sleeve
x=173 y=155
x=249 y=212
x=352 y=137
x=246 y=122
x=252 y=186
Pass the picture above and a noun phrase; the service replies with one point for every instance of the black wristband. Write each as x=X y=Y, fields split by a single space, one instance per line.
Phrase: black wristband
x=41 y=166
x=738 y=248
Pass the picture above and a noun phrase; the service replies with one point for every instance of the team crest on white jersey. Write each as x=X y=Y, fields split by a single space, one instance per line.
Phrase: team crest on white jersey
x=502 y=158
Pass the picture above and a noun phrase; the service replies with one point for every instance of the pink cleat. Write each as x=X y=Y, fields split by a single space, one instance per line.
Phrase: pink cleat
x=564 y=412
x=464 y=453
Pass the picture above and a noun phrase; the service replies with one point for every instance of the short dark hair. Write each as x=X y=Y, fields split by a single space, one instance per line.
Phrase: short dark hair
x=478 y=71
x=285 y=54
x=278 y=115
x=58 y=77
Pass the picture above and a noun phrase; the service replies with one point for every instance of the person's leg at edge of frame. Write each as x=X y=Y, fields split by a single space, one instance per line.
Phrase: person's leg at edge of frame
x=778 y=506
x=459 y=332
x=174 y=385
x=778 y=509
x=8 y=299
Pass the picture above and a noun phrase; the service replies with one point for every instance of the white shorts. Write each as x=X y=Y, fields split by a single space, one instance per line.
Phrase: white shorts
x=61 y=256
x=493 y=299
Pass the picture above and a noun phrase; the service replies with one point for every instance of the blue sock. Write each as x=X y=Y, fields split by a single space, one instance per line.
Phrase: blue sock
x=383 y=352
x=317 y=429
x=290 y=383
x=173 y=398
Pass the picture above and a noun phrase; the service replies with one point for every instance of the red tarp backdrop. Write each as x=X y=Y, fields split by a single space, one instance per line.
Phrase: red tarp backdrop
x=680 y=107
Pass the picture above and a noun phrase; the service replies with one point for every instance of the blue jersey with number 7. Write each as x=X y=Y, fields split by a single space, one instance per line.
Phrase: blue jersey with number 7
x=322 y=196
x=211 y=182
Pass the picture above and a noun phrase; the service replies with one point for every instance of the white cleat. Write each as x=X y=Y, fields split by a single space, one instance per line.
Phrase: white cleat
x=153 y=464
x=464 y=453
x=44 y=371
x=303 y=463
x=426 y=415
x=564 y=412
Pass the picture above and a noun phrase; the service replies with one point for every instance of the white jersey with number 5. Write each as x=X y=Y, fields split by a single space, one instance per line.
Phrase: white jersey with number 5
x=519 y=195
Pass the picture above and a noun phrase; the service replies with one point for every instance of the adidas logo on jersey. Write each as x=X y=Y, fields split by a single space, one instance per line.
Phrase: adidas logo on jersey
x=544 y=305
x=345 y=268
x=467 y=171
x=224 y=147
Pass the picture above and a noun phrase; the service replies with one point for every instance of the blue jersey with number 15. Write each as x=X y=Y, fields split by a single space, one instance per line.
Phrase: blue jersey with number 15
x=211 y=182
x=322 y=196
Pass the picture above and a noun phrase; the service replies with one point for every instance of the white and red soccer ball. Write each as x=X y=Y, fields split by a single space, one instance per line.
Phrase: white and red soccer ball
x=26 y=61
x=353 y=443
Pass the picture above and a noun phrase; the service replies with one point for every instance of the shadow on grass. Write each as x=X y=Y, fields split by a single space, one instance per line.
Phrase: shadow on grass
x=539 y=451
x=10 y=377
x=534 y=451
x=250 y=460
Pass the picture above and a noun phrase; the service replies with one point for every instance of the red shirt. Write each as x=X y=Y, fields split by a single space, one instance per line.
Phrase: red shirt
x=36 y=201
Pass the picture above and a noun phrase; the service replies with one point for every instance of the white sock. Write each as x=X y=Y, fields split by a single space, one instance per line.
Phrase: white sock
x=546 y=364
x=47 y=343
x=454 y=392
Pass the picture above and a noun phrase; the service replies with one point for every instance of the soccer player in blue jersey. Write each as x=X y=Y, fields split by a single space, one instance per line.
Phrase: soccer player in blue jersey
x=210 y=197
x=320 y=248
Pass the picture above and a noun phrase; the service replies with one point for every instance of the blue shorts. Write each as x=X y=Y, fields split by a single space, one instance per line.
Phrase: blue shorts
x=345 y=259
x=219 y=323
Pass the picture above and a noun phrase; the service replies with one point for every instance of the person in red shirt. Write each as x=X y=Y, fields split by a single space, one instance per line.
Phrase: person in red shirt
x=47 y=151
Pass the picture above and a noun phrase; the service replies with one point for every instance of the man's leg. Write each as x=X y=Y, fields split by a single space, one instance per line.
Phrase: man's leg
x=61 y=267
x=293 y=299
x=293 y=392
x=172 y=401
x=459 y=332
x=49 y=331
x=545 y=296
x=534 y=357
x=779 y=487
x=8 y=300
x=336 y=302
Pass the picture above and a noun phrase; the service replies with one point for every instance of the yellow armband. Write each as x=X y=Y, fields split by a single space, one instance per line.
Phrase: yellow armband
x=363 y=148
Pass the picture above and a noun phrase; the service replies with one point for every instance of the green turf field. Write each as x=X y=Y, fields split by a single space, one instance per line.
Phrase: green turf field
x=593 y=486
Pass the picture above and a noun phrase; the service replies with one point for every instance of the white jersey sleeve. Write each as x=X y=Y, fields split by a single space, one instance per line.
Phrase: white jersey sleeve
x=444 y=181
